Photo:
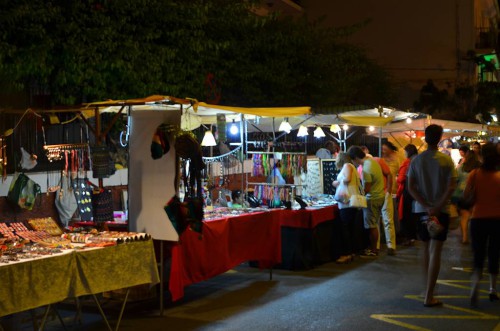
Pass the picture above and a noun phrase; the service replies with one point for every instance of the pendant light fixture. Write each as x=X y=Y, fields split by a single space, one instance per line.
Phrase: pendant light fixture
x=285 y=126
x=318 y=133
x=302 y=131
x=208 y=139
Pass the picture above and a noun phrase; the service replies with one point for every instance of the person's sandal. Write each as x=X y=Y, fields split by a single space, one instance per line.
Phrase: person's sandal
x=435 y=303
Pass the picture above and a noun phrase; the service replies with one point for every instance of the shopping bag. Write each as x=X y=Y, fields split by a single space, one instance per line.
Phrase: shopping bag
x=358 y=201
x=433 y=226
x=23 y=191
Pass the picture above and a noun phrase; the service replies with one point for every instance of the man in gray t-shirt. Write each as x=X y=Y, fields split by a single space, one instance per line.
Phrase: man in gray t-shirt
x=431 y=181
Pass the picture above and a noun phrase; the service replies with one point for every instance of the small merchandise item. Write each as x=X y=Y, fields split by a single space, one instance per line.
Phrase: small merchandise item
x=23 y=191
x=160 y=145
x=102 y=163
x=28 y=161
x=188 y=213
x=47 y=224
x=433 y=225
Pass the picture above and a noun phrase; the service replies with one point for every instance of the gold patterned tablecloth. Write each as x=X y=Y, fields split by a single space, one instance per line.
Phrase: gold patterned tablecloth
x=40 y=282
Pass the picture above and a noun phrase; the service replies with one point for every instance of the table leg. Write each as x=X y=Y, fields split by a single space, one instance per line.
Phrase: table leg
x=44 y=319
x=78 y=315
x=271 y=273
x=102 y=312
x=60 y=319
x=119 y=316
x=122 y=310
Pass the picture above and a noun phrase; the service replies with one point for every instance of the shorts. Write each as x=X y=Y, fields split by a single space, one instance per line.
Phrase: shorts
x=423 y=233
x=372 y=213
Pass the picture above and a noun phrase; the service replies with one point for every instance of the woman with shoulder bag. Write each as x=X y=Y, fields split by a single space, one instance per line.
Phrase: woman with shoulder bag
x=347 y=184
x=482 y=191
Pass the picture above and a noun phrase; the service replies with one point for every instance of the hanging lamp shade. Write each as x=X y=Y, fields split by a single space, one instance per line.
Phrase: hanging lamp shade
x=319 y=133
x=285 y=126
x=208 y=139
x=302 y=131
x=335 y=128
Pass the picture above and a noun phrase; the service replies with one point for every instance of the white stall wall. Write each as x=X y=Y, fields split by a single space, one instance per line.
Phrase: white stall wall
x=151 y=182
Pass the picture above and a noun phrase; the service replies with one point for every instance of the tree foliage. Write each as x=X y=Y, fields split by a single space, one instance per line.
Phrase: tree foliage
x=89 y=50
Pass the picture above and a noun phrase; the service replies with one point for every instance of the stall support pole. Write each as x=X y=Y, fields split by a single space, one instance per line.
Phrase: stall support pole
x=98 y=136
x=162 y=290
x=380 y=142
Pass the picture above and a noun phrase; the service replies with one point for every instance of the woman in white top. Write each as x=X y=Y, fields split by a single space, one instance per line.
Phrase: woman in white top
x=347 y=184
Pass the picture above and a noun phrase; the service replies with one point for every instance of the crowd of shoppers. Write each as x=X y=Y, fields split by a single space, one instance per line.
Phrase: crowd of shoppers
x=412 y=198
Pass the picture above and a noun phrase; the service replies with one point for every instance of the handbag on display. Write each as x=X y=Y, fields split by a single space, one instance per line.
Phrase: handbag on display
x=23 y=191
x=102 y=205
x=65 y=200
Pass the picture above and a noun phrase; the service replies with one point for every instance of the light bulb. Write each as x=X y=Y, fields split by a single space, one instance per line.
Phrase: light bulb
x=345 y=127
x=234 y=129
x=409 y=120
x=371 y=128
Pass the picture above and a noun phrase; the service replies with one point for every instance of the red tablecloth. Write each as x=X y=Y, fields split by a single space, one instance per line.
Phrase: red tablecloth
x=225 y=243
x=307 y=218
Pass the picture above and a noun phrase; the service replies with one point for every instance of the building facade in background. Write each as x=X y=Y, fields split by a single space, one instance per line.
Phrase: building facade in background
x=451 y=42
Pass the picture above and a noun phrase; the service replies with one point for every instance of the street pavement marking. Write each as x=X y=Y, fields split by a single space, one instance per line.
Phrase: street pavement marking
x=470 y=313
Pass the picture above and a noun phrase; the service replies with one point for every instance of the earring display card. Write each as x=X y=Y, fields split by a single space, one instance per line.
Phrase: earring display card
x=83 y=195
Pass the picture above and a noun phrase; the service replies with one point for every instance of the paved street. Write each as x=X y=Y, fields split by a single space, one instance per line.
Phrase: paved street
x=381 y=294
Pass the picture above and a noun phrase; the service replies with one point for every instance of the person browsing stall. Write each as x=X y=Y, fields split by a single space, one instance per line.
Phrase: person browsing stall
x=373 y=185
x=329 y=151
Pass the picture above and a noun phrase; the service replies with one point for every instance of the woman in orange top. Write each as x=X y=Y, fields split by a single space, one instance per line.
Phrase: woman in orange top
x=484 y=185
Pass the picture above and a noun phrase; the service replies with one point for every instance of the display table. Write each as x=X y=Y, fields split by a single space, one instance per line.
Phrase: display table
x=224 y=244
x=44 y=281
x=307 y=237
